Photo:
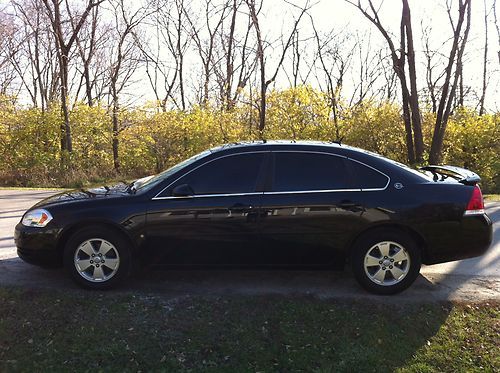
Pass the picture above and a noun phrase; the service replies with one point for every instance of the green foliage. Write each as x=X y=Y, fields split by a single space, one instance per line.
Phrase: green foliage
x=150 y=141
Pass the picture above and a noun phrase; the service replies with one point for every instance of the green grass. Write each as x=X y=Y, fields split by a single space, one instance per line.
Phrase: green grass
x=90 y=331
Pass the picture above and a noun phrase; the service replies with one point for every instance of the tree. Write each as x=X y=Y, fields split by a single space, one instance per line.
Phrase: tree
x=64 y=43
x=265 y=83
x=459 y=41
x=124 y=62
x=485 y=60
x=411 y=110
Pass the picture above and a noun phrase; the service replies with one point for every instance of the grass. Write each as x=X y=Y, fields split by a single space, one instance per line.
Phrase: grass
x=90 y=331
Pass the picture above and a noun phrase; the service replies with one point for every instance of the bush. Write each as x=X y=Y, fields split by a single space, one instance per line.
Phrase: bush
x=150 y=141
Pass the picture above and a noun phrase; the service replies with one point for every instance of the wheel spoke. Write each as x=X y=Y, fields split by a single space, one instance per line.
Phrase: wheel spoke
x=384 y=248
x=371 y=261
x=396 y=272
x=400 y=256
x=98 y=273
x=105 y=247
x=83 y=264
x=379 y=275
x=111 y=263
x=87 y=248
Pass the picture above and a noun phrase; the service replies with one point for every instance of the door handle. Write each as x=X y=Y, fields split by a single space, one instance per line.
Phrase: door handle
x=347 y=204
x=240 y=207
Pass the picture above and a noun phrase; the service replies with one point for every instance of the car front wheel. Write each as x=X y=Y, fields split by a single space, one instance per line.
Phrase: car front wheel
x=386 y=261
x=97 y=258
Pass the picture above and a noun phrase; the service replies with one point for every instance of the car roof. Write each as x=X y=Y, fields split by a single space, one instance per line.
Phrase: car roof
x=378 y=161
x=269 y=144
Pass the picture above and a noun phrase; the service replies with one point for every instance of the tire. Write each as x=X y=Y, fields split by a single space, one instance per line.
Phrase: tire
x=97 y=258
x=386 y=274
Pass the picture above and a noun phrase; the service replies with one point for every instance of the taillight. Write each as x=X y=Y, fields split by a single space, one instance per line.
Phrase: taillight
x=476 y=203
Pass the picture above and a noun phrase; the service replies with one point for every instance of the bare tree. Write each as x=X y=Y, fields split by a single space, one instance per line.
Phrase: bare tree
x=64 y=42
x=334 y=57
x=91 y=45
x=234 y=61
x=265 y=83
x=485 y=60
x=411 y=110
x=497 y=26
x=367 y=70
x=432 y=78
x=214 y=17
x=124 y=61
x=460 y=35
x=10 y=47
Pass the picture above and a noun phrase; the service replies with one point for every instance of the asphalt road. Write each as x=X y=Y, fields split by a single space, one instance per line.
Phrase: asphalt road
x=476 y=279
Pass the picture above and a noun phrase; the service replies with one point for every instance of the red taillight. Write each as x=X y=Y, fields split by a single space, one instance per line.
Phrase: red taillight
x=476 y=203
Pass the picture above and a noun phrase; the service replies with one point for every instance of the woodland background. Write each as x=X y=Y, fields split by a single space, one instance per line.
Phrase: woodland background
x=100 y=90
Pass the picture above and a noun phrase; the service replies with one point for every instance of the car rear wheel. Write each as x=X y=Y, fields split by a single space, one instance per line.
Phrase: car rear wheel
x=386 y=261
x=97 y=258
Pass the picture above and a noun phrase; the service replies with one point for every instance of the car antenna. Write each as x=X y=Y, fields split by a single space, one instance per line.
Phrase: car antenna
x=338 y=141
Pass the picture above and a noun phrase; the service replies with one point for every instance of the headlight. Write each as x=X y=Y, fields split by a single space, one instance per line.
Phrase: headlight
x=37 y=218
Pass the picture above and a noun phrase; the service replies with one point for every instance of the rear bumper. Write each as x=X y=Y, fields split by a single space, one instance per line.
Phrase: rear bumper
x=468 y=239
x=38 y=245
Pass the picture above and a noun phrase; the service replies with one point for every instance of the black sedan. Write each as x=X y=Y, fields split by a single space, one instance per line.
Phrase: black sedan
x=280 y=204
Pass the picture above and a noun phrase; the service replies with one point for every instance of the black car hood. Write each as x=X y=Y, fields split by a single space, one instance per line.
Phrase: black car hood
x=84 y=194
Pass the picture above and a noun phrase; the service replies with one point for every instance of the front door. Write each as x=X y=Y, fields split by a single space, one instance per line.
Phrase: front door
x=218 y=222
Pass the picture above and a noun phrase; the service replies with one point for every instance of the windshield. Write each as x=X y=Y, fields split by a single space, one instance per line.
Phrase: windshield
x=151 y=181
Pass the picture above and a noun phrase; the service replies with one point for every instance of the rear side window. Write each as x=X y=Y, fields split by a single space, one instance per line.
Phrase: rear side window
x=366 y=177
x=295 y=171
x=227 y=175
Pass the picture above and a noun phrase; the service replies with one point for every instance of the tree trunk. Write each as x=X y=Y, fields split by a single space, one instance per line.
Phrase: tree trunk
x=66 y=141
x=116 y=160
x=447 y=95
x=413 y=98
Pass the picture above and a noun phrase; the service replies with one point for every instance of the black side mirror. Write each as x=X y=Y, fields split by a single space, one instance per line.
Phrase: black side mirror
x=182 y=190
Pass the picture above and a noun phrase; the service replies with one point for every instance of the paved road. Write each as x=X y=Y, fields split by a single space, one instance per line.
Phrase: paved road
x=475 y=279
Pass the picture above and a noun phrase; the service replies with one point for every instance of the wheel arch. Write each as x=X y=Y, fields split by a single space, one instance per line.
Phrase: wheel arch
x=417 y=237
x=72 y=229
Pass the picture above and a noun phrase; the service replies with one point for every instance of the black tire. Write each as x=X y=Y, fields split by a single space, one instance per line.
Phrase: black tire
x=119 y=243
x=366 y=242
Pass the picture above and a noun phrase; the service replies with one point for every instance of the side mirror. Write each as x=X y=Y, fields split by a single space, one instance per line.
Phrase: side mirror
x=182 y=190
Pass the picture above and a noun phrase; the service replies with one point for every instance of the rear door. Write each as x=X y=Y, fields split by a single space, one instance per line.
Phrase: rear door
x=310 y=211
x=218 y=223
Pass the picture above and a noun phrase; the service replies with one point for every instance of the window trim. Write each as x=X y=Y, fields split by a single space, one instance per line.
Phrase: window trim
x=267 y=170
x=156 y=197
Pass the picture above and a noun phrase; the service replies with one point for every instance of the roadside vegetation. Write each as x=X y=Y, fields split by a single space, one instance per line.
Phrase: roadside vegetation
x=150 y=141
x=86 y=331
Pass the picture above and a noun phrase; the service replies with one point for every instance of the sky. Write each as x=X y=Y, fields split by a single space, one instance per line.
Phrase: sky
x=277 y=17
x=339 y=15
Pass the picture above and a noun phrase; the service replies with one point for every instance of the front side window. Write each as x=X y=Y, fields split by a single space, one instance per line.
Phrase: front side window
x=295 y=171
x=226 y=175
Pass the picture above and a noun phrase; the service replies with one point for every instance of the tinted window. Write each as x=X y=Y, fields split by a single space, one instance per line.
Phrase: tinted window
x=366 y=177
x=232 y=174
x=309 y=171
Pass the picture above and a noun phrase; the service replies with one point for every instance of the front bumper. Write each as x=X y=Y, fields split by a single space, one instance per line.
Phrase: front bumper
x=38 y=245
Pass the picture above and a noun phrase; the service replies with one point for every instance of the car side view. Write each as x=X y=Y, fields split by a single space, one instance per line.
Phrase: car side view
x=265 y=204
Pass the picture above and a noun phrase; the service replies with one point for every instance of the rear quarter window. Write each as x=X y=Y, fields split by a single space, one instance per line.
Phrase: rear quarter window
x=365 y=177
